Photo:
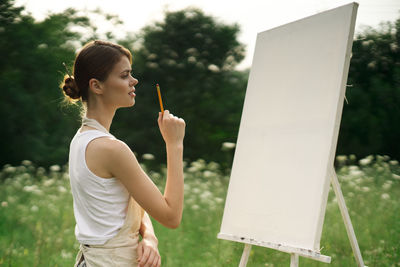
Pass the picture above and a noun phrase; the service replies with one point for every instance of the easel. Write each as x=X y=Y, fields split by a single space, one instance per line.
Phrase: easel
x=294 y=256
x=270 y=198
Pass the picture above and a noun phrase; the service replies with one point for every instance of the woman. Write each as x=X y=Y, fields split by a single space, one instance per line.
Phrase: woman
x=109 y=188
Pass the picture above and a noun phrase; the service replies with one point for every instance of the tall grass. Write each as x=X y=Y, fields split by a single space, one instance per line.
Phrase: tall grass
x=37 y=222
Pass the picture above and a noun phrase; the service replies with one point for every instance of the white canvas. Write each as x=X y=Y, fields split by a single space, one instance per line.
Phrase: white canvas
x=288 y=132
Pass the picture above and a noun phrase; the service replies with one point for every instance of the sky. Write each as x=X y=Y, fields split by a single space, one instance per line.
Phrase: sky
x=253 y=16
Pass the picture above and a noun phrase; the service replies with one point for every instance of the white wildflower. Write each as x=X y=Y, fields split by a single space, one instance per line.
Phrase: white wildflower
x=26 y=162
x=380 y=169
x=366 y=161
x=213 y=166
x=219 y=200
x=367 y=43
x=217 y=183
x=55 y=168
x=152 y=65
x=191 y=59
x=30 y=188
x=11 y=199
x=34 y=208
x=358 y=180
x=372 y=64
x=365 y=189
x=382 y=158
x=4 y=204
x=192 y=51
x=355 y=171
x=226 y=146
x=394 y=47
x=152 y=56
x=393 y=162
x=62 y=189
x=10 y=169
x=387 y=185
x=186 y=187
x=170 y=62
x=25 y=176
x=206 y=195
x=40 y=171
x=395 y=176
x=42 y=46
x=65 y=254
x=196 y=190
x=195 y=207
x=148 y=156
x=341 y=159
x=192 y=169
x=208 y=174
x=213 y=68
x=385 y=196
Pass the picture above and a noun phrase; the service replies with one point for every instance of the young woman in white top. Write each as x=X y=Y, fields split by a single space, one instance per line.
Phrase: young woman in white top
x=101 y=165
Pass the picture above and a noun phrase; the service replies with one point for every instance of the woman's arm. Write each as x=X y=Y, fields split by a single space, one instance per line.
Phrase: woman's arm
x=122 y=164
x=148 y=247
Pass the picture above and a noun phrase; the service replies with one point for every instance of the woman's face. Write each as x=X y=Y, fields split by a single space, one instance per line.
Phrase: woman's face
x=119 y=86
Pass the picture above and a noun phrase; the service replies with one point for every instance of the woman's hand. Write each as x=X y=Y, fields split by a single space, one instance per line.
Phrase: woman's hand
x=172 y=128
x=148 y=255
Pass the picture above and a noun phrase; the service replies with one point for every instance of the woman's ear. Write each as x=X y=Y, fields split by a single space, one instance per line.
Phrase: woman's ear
x=95 y=86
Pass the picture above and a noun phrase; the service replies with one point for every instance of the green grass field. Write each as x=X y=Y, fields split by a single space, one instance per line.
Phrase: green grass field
x=37 y=222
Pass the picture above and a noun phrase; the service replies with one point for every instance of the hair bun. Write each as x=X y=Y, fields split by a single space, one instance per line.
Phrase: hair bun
x=69 y=87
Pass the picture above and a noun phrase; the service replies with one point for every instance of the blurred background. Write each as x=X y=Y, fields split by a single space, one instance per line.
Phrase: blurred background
x=195 y=57
x=200 y=53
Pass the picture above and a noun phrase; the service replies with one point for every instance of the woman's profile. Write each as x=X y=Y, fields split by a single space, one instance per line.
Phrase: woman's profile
x=112 y=196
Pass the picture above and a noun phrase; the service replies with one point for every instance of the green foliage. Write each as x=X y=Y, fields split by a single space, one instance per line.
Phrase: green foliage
x=370 y=122
x=36 y=123
x=37 y=222
x=30 y=71
x=192 y=56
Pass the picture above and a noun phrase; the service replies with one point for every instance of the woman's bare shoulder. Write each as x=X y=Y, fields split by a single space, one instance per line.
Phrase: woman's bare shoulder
x=103 y=153
x=107 y=144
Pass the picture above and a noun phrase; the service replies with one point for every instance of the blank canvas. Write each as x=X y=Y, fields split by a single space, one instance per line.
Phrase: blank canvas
x=288 y=132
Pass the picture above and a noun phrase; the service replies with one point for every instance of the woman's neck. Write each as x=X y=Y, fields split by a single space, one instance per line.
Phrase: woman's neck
x=101 y=114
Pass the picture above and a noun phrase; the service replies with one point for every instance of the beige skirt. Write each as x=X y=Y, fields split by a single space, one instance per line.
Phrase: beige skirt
x=119 y=250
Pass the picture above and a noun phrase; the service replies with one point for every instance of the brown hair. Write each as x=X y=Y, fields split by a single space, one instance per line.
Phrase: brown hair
x=95 y=60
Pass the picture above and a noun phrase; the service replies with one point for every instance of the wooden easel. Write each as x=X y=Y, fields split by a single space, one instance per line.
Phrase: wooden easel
x=294 y=256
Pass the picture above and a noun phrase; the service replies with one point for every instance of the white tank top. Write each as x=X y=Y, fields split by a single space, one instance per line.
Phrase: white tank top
x=100 y=204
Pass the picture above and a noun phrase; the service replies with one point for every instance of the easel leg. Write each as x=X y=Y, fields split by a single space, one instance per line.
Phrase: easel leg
x=245 y=255
x=294 y=260
x=346 y=219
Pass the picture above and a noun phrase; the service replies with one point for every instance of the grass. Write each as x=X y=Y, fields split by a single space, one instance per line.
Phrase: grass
x=37 y=222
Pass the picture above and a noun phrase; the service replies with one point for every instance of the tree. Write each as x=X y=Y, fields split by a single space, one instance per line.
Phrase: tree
x=192 y=56
x=370 y=123
x=36 y=125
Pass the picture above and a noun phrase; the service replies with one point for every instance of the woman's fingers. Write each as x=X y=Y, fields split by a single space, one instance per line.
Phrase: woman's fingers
x=150 y=259
x=144 y=258
x=139 y=251
x=172 y=127
x=148 y=255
